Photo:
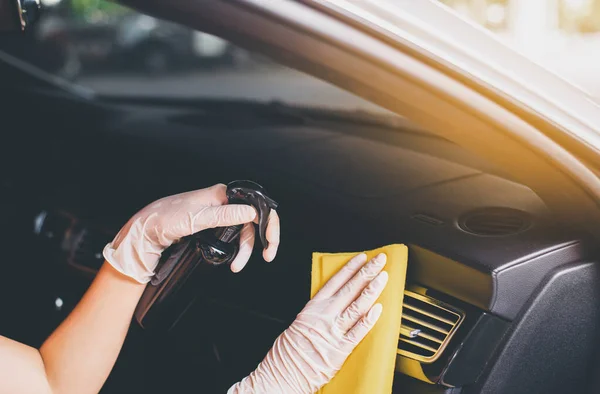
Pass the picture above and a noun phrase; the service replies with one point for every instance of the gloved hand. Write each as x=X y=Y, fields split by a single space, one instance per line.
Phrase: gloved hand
x=137 y=248
x=310 y=352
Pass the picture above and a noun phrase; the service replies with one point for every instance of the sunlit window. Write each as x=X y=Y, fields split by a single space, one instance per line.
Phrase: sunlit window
x=492 y=14
x=115 y=50
x=561 y=35
x=579 y=16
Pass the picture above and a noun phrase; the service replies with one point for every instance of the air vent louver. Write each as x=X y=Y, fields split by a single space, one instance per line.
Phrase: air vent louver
x=427 y=327
x=495 y=222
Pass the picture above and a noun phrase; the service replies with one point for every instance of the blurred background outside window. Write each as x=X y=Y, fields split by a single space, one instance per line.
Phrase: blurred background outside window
x=561 y=35
x=118 y=51
x=114 y=50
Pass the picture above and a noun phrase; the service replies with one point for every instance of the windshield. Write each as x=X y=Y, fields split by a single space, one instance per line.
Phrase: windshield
x=117 y=51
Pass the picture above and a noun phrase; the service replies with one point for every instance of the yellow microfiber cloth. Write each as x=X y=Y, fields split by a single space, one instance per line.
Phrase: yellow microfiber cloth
x=370 y=368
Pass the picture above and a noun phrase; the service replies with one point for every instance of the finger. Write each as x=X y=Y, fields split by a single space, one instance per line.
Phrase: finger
x=272 y=236
x=362 y=328
x=351 y=290
x=214 y=195
x=363 y=303
x=246 y=244
x=338 y=280
x=219 y=195
x=223 y=216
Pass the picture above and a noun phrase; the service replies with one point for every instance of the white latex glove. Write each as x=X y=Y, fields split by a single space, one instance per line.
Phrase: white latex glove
x=310 y=352
x=137 y=248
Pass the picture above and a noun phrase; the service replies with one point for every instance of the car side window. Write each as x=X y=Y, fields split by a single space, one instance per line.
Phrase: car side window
x=118 y=51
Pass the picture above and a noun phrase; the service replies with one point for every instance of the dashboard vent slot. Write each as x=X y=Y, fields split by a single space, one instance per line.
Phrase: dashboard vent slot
x=495 y=222
x=427 y=327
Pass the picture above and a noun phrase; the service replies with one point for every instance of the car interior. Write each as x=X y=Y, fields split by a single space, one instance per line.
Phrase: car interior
x=504 y=295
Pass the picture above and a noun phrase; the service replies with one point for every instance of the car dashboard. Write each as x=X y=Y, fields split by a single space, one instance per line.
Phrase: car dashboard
x=489 y=267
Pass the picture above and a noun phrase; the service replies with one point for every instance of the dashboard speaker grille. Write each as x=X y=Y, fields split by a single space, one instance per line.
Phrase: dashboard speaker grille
x=495 y=222
x=427 y=327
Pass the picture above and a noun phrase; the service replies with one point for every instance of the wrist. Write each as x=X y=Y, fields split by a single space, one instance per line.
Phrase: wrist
x=123 y=260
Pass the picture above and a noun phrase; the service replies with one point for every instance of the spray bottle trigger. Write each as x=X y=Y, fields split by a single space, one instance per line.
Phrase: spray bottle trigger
x=253 y=194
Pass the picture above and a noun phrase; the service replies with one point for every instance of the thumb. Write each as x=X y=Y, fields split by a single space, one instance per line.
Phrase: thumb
x=224 y=215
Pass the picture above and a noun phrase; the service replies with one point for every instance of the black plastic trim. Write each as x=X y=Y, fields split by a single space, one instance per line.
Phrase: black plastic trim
x=475 y=351
x=515 y=283
x=502 y=291
x=552 y=343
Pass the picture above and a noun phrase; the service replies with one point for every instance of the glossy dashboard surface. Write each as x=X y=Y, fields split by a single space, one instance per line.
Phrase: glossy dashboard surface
x=343 y=185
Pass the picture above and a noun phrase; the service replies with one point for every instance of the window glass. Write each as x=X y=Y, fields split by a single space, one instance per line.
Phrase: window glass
x=118 y=51
x=561 y=35
x=492 y=14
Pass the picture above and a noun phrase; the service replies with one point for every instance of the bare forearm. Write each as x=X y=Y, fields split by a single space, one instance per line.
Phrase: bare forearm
x=80 y=354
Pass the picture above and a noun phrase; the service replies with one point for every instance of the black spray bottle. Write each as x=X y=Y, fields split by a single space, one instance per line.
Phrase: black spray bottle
x=187 y=264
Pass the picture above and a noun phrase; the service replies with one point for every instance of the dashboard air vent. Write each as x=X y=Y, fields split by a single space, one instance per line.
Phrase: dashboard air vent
x=427 y=327
x=495 y=222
